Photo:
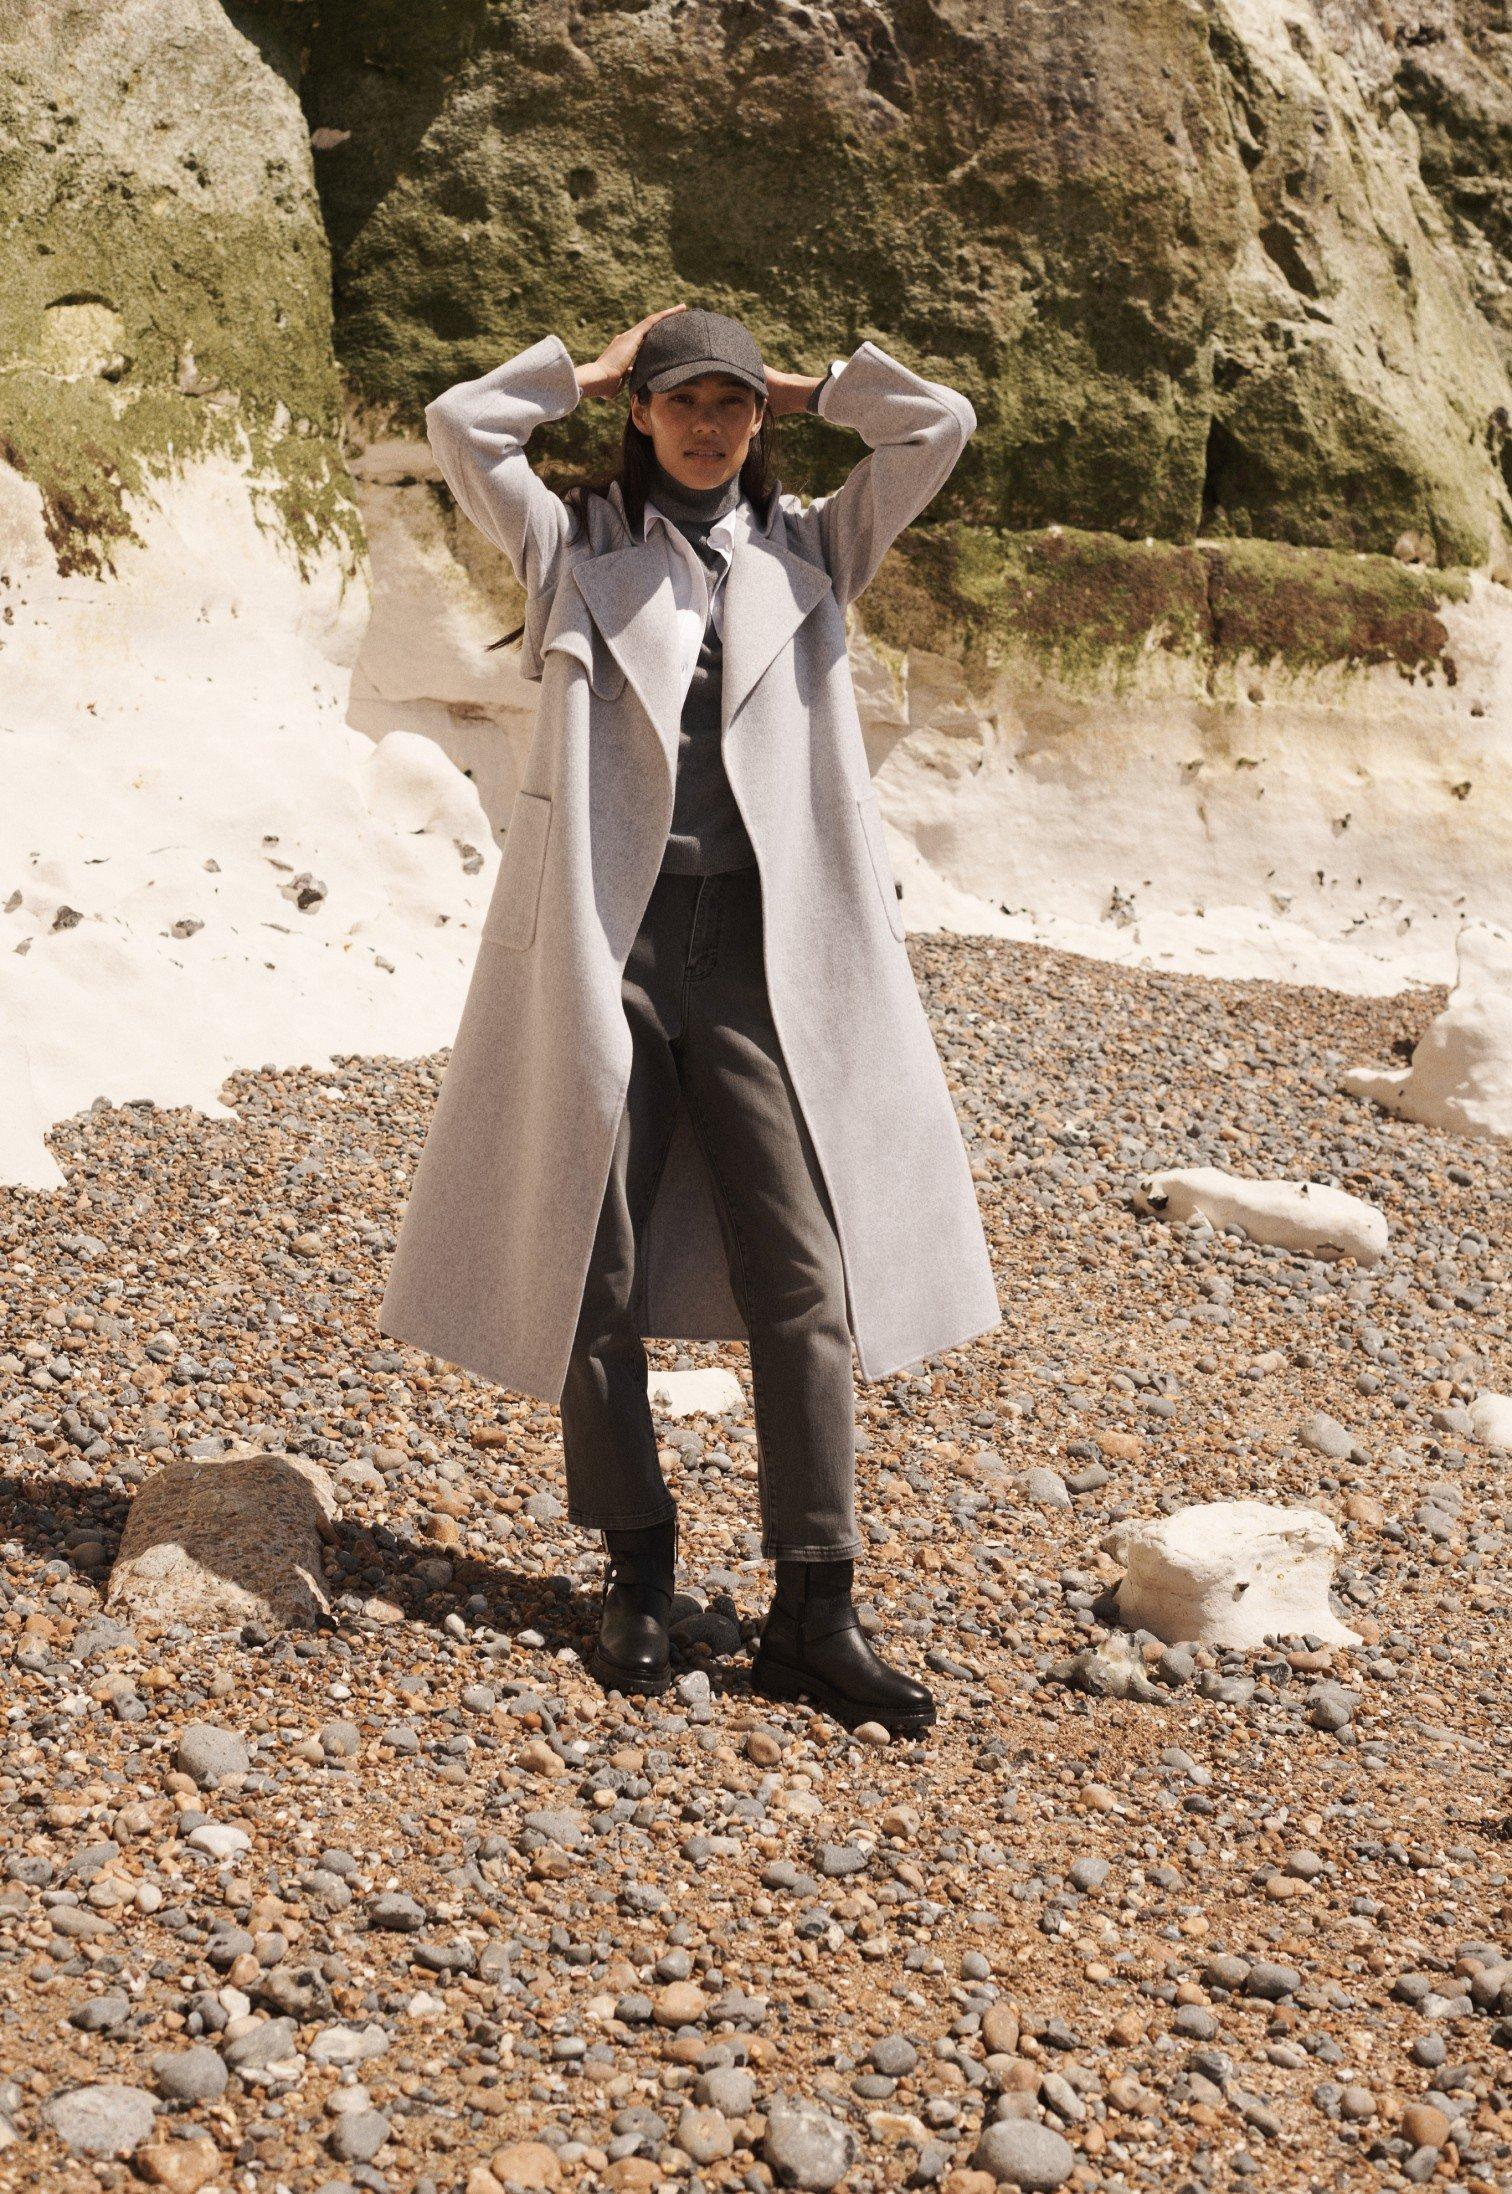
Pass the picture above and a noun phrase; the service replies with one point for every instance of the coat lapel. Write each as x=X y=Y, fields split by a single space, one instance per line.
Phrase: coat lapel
x=768 y=593
x=630 y=598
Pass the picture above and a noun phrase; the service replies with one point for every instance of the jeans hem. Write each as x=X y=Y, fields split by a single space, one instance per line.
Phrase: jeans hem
x=621 y=1523
x=841 y=1550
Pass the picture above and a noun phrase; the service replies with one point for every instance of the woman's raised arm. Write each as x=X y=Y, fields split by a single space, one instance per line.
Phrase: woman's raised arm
x=478 y=430
x=917 y=430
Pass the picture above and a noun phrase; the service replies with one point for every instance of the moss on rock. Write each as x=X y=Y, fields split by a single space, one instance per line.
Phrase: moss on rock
x=1178 y=258
x=1089 y=609
x=166 y=291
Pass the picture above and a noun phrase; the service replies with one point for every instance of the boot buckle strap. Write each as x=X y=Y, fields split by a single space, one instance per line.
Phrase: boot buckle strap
x=821 y=1620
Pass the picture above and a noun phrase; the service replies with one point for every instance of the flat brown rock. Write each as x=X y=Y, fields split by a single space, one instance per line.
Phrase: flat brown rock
x=226 y=1540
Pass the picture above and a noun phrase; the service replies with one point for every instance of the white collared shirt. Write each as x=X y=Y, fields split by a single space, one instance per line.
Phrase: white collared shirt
x=697 y=597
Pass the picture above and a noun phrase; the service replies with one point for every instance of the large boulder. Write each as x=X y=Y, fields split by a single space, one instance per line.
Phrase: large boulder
x=224 y=1540
x=1180 y=260
x=1306 y=1216
x=1460 y=1074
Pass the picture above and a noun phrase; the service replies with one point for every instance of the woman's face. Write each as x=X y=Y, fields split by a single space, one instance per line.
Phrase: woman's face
x=702 y=429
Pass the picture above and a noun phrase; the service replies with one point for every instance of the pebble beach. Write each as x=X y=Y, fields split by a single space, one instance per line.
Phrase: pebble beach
x=404 y=1901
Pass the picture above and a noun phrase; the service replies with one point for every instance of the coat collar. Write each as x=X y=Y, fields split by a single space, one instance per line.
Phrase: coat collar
x=768 y=592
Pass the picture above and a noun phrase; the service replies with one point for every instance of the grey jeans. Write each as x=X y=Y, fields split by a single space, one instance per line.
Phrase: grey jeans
x=695 y=996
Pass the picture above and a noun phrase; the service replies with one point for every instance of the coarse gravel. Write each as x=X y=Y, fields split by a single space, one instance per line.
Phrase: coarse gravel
x=1243 y=1923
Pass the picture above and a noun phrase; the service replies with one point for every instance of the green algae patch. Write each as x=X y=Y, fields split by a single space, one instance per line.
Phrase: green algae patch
x=1086 y=608
x=92 y=456
x=1312 y=608
x=1091 y=610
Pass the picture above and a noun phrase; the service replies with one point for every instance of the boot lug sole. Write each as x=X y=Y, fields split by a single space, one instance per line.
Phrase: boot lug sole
x=775 y=1680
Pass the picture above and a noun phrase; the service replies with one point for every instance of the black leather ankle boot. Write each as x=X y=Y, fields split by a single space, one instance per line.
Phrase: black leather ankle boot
x=812 y=1646
x=633 y=1651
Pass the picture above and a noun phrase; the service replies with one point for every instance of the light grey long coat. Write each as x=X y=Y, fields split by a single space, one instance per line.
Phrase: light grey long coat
x=496 y=1238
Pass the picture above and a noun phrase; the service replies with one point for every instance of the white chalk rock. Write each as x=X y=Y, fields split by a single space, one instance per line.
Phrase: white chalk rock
x=410 y=785
x=1230 y=1573
x=1301 y=1215
x=1460 y=1077
x=31 y=1164
x=695 y=1393
x=1491 y=1421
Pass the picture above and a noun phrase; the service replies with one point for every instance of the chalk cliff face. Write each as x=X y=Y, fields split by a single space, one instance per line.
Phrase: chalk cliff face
x=1453 y=74
x=1241 y=268
x=1183 y=259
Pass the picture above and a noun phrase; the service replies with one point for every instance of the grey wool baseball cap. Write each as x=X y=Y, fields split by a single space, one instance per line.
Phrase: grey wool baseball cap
x=693 y=342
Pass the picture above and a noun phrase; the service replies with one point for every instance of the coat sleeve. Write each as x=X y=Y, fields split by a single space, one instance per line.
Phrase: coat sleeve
x=917 y=430
x=479 y=429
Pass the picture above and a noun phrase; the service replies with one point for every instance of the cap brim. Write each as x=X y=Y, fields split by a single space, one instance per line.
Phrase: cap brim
x=671 y=376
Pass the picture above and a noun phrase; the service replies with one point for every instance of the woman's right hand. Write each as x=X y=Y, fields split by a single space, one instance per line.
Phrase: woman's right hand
x=606 y=375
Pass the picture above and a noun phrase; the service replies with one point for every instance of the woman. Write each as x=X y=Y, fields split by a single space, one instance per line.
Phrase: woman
x=694 y=1091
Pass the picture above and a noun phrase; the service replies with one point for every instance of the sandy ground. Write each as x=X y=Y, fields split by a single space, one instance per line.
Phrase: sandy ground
x=522 y=1933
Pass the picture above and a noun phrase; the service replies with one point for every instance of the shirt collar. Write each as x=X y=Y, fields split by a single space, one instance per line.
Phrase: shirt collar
x=736 y=522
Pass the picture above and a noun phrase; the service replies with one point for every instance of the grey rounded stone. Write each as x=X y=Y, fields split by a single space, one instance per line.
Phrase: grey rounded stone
x=1271 y=1982
x=263 y=2045
x=109 y=2120
x=1046 y=1486
x=703 y=2134
x=894 y=2055
x=1226 y=1971
x=804 y=2145
x=1020 y=2153
x=1331 y=1707
x=1326 y=1436
x=839 y=1859
x=207 y=1754
x=1087 y=1874
x=358 y=2135
x=195 y=2075
x=727 y=2087
x=397 y=1912
x=98 y=2014
x=557 y=1827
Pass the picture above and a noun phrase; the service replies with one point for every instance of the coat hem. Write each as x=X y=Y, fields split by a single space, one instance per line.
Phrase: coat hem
x=951 y=1337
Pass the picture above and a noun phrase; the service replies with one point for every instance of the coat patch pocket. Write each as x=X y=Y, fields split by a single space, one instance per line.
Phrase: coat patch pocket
x=876 y=846
x=511 y=917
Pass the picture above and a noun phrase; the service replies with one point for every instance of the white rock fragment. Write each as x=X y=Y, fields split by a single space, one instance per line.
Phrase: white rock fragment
x=349 y=2045
x=708 y=1393
x=1113 y=1670
x=1491 y=1421
x=1300 y=1215
x=1230 y=1573
x=1460 y=1075
x=221 y=1839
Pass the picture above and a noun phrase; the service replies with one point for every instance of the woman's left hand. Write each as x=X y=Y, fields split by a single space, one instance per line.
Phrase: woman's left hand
x=789 y=391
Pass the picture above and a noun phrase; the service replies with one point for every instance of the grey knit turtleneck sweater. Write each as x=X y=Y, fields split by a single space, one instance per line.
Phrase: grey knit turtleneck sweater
x=707 y=833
